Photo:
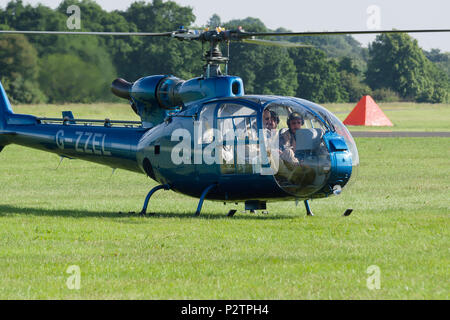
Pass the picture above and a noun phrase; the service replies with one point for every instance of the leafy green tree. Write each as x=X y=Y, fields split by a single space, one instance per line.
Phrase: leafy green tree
x=385 y=95
x=353 y=87
x=396 y=62
x=440 y=59
x=20 y=17
x=90 y=49
x=19 y=69
x=22 y=90
x=336 y=46
x=17 y=56
x=264 y=69
x=351 y=81
x=248 y=24
x=94 y=18
x=214 y=21
x=66 y=77
x=152 y=55
x=317 y=75
x=438 y=89
x=346 y=64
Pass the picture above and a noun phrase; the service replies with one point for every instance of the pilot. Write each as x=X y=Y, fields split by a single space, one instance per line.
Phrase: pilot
x=287 y=138
x=300 y=173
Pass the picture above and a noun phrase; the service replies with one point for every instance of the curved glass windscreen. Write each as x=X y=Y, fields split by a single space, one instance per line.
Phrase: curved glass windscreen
x=342 y=130
x=295 y=149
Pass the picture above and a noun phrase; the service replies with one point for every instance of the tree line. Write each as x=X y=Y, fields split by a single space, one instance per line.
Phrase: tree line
x=58 y=69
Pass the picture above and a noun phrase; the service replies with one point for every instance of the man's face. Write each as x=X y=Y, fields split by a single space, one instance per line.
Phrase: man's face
x=269 y=122
x=295 y=124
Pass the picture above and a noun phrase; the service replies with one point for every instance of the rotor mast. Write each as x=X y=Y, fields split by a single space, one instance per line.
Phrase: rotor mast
x=214 y=57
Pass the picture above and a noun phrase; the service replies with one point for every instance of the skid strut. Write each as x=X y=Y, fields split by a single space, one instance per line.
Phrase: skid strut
x=308 y=208
x=347 y=212
x=231 y=213
x=202 y=198
x=149 y=195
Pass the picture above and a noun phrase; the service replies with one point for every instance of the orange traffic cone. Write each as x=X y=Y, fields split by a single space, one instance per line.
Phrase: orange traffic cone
x=367 y=113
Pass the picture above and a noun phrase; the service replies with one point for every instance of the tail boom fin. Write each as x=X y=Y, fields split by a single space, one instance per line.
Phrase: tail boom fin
x=5 y=108
x=5 y=113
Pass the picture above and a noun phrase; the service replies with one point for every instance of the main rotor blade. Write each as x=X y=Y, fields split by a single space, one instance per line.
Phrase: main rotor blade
x=90 y=33
x=244 y=34
x=184 y=34
x=285 y=44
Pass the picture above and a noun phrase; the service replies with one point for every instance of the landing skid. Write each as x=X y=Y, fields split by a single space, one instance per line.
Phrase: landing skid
x=231 y=213
x=251 y=206
x=347 y=212
x=202 y=198
x=149 y=195
x=309 y=212
x=308 y=209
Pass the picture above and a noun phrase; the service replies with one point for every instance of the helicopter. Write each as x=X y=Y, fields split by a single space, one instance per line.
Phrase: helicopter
x=205 y=137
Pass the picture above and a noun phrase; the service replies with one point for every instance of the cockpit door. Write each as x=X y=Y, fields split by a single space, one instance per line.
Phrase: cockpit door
x=237 y=126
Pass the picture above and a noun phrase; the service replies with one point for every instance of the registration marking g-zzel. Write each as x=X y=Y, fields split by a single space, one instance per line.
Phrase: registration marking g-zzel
x=85 y=142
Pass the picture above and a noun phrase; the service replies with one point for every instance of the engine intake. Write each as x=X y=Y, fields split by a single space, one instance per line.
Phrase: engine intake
x=121 y=88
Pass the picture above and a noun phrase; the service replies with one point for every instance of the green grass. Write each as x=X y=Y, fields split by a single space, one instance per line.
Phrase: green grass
x=405 y=116
x=52 y=219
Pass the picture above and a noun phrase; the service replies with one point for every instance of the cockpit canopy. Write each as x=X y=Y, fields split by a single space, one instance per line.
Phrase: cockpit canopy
x=283 y=137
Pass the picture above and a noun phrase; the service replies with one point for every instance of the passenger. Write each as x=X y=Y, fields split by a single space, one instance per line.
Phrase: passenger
x=270 y=119
x=270 y=124
x=271 y=138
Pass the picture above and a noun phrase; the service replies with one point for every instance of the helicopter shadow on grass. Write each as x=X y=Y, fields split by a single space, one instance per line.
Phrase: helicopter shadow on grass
x=73 y=213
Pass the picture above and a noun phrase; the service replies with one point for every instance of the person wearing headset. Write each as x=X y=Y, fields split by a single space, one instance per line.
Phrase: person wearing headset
x=287 y=139
x=299 y=173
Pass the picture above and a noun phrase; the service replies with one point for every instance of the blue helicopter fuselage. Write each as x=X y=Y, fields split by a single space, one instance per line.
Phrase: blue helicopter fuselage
x=150 y=150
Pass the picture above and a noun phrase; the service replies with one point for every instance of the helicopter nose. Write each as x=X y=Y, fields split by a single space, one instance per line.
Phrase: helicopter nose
x=322 y=168
x=341 y=162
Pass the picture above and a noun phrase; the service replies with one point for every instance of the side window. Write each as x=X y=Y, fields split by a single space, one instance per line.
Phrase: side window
x=207 y=123
x=235 y=110
x=226 y=129
x=237 y=125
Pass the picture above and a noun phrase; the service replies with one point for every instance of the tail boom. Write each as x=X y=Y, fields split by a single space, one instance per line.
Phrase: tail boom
x=114 y=147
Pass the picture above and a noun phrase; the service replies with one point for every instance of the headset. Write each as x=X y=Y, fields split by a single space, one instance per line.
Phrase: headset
x=295 y=115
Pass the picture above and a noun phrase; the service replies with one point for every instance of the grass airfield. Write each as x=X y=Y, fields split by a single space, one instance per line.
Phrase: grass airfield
x=52 y=219
x=405 y=116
